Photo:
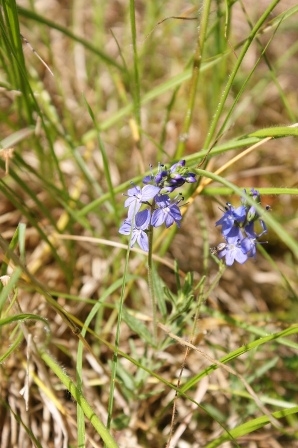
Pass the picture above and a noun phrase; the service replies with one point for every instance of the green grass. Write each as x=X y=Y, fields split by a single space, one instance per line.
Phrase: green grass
x=132 y=84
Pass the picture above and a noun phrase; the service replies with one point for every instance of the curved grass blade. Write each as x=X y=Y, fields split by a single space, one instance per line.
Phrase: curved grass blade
x=251 y=426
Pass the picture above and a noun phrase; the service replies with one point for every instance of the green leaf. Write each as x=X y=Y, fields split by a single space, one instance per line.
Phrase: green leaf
x=276 y=132
x=137 y=326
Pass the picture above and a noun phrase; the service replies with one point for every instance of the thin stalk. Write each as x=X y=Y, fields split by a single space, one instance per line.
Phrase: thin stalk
x=194 y=80
x=151 y=282
x=136 y=90
x=117 y=345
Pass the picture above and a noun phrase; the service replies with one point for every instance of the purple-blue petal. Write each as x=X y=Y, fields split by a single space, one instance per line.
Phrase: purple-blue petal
x=175 y=212
x=248 y=246
x=147 y=179
x=143 y=241
x=232 y=232
x=240 y=256
x=133 y=208
x=179 y=164
x=169 y=220
x=239 y=213
x=134 y=191
x=149 y=192
x=190 y=178
x=125 y=228
x=158 y=217
x=142 y=219
x=162 y=200
x=249 y=230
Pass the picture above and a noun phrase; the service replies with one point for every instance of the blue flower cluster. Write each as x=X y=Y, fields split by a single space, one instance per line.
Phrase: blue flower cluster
x=237 y=228
x=159 y=207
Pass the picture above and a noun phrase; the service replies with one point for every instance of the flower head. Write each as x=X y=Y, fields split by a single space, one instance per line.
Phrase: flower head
x=238 y=229
x=233 y=251
x=150 y=206
x=170 y=179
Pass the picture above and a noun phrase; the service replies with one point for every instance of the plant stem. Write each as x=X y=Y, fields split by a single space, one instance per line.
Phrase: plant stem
x=151 y=282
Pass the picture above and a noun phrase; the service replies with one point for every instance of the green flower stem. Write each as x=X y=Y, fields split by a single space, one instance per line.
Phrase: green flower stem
x=150 y=281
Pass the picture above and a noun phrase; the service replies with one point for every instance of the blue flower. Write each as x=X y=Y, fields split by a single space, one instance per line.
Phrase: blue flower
x=138 y=196
x=249 y=243
x=167 y=213
x=158 y=207
x=141 y=223
x=238 y=229
x=232 y=251
x=231 y=221
x=248 y=246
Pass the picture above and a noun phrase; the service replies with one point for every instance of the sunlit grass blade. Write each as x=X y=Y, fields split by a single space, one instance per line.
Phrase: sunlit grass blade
x=212 y=129
x=251 y=426
x=240 y=351
x=81 y=400
x=16 y=69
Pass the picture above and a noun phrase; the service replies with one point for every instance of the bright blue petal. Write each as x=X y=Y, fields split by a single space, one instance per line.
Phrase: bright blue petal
x=169 y=220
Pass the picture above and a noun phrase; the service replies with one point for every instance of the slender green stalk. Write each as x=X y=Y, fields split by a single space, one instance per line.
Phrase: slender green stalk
x=136 y=90
x=194 y=79
x=151 y=282
x=293 y=329
x=117 y=344
x=106 y=166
